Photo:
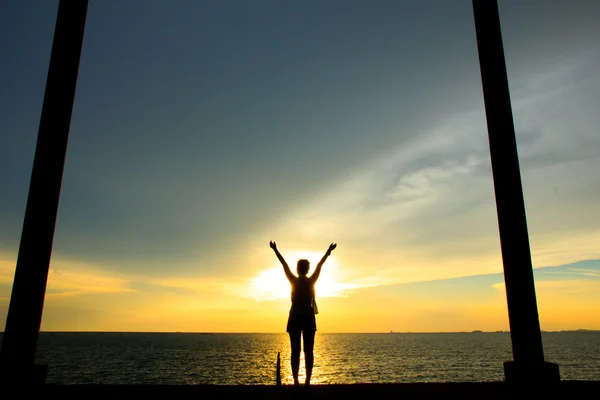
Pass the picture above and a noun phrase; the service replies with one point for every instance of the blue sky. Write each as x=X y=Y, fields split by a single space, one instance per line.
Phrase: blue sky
x=203 y=129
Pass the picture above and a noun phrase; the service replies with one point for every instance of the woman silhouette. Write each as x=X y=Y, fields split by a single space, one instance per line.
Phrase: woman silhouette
x=302 y=321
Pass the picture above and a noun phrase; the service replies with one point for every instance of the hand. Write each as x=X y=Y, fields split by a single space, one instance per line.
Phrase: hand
x=273 y=245
x=332 y=246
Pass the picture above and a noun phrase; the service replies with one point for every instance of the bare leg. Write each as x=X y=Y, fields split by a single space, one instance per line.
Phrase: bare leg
x=295 y=342
x=309 y=357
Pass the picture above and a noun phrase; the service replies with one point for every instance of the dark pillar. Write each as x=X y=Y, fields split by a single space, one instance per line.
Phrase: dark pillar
x=17 y=357
x=528 y=353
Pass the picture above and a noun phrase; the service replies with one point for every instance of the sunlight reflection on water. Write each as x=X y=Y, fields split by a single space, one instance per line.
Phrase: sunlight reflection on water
x=173 y=358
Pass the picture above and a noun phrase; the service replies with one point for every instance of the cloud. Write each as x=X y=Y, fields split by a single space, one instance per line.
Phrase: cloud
x=559 y=288
x=584 y=272
x=69 y=278
x=428 y=206
x=554 y=281
x=423 y=211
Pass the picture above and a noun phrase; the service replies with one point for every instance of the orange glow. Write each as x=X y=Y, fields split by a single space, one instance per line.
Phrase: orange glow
x=90 y=297
x=272 y=284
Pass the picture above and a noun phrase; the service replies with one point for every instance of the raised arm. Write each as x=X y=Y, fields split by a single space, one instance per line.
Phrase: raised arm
x=317 y=272
x=286 y=267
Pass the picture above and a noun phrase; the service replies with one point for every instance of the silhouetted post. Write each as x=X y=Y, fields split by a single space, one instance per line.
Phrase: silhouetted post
x=528 y=353
x=278 y=370
x=17 y=357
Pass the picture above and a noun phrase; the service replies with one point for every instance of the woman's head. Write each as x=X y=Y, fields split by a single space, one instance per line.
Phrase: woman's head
x=302 y=267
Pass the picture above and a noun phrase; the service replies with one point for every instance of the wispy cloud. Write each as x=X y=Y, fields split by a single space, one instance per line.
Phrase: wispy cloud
x=427 y=207
x=560 y=287
x=69 y=278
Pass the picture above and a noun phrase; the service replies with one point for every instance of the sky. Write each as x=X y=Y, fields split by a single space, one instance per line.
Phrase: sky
x=202 y=130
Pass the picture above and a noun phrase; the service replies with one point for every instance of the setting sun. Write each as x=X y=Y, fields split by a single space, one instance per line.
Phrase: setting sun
x=272 y=284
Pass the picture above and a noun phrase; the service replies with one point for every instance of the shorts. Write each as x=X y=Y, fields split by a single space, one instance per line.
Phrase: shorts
x=301 y=322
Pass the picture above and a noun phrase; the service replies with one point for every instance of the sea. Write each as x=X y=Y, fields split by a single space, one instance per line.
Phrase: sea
x=251 y=358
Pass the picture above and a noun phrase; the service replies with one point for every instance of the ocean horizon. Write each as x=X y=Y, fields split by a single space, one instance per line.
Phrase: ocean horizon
x=250 y=358
x=331 y=332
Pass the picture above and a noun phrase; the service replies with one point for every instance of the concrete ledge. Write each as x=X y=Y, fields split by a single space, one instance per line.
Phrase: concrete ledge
x=40 y=372
x=522 y=374
x=23 y=375
x=405 y=391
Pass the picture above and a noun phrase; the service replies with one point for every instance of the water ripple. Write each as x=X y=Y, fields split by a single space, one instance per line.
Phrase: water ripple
x=174 y=358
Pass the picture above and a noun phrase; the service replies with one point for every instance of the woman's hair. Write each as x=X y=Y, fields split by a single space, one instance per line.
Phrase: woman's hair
x=303 y=266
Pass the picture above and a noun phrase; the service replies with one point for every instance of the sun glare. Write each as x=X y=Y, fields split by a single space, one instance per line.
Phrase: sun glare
x=272 y=284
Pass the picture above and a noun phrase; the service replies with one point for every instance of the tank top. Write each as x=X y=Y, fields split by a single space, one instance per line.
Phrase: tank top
x=303 y=297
